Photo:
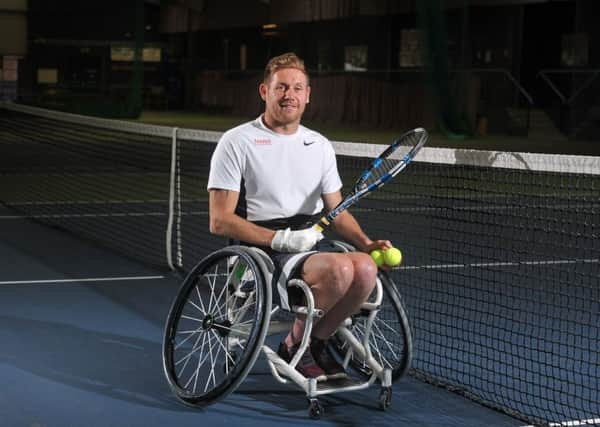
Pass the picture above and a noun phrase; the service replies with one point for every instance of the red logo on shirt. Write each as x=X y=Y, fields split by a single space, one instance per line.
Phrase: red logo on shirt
x=262 y=141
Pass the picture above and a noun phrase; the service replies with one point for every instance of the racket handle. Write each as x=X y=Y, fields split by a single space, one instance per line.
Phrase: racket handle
x=322 y=224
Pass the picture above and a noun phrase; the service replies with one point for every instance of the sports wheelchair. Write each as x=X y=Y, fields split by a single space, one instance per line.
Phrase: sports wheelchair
x=219 y=320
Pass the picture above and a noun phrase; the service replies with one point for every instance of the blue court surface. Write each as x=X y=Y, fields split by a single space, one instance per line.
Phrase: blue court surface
x=81 y=336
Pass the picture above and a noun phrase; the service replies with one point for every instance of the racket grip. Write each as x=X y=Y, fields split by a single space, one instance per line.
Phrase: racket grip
x=321 y=225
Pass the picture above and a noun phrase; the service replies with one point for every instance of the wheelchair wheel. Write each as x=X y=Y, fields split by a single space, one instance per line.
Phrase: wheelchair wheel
x=390 y=339
x=216 y=326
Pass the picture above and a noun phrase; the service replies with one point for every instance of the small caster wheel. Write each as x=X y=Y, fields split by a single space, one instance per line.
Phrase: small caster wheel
x=385 y=398
x=315 y=409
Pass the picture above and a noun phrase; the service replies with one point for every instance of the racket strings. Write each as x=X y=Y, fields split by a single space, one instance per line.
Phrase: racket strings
x=409 y=142
x=379 y=171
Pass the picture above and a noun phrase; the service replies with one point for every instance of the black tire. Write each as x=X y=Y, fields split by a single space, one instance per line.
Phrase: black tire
x=315 y=409
x=391 y=338
x=385 y=398
x=216 y=326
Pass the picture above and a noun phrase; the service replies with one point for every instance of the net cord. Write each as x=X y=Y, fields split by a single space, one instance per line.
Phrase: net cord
x=589 y=165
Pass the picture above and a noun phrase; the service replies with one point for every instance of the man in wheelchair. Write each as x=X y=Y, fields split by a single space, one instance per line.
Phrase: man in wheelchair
x=269 y=180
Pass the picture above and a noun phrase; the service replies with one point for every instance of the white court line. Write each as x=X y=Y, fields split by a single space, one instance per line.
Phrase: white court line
x=89 y=279
x=590 y=422
x=107 y=215
x=98 y=202
x=500 y=264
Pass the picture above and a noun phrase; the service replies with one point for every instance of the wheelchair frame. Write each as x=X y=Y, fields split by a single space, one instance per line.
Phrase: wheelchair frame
x=219 y=327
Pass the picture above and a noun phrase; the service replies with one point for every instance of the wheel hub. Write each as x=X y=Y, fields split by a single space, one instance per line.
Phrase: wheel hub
x=223 y=327
x=208 y=322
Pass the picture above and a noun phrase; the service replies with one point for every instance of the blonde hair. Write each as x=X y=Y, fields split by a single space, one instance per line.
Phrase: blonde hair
x=286 y=60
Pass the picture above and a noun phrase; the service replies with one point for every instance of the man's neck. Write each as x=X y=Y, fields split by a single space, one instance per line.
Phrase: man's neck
x=282 y=128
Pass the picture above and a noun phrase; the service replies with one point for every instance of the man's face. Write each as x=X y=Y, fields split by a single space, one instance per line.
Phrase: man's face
x=285 y=96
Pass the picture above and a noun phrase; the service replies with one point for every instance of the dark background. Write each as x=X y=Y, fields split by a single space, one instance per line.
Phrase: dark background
x=514 y=66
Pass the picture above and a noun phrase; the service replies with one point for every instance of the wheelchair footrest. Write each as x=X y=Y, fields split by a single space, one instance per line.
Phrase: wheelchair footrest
x=336 y=384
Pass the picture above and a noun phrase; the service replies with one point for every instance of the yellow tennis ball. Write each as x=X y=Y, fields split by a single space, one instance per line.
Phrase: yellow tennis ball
x=378 y=257
x=392 y=257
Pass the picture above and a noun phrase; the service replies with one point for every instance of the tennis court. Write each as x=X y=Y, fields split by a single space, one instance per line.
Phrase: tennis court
x=500 y=278
x=82 y=330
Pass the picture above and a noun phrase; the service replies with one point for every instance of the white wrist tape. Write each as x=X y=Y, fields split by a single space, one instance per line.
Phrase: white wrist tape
x=295 y=241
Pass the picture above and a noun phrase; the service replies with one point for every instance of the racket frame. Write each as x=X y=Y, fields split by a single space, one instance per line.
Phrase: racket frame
x=359 y=190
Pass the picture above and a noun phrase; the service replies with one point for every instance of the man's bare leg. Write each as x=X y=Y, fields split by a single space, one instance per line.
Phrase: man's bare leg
x=340 y=284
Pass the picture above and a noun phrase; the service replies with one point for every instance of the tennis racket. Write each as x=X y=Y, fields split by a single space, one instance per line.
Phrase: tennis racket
x=386 y=166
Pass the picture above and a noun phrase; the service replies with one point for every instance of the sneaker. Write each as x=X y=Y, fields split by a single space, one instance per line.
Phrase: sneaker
x=322 y=354
x=306 y=365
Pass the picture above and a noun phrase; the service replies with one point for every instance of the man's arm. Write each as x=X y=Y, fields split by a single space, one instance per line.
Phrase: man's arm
x=346 y=226
x=225 y=222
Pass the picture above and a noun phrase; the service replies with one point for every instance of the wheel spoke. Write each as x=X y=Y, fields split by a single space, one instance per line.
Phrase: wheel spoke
x=388 y=326
x=211 y=284
x=387 y=344
x=194 y=349
x=241 y=311
x=217 y=299
x=191 y=334
x=197 y=289
x=213 y=357
x=375 y=343
x=191 y=318
x=193 y=304
x=188 y=358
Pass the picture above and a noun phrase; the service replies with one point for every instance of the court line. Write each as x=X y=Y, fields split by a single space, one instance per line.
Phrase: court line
x=500 y=264
x=88 y=279
x=589 y=422
x=95 y=215
x=99 y=202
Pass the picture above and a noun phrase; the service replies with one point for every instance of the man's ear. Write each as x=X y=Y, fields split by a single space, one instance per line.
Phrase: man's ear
x=307 y=94
x=262 y=90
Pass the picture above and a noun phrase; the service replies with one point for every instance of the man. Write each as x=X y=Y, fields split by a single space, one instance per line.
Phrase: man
x=283 y=174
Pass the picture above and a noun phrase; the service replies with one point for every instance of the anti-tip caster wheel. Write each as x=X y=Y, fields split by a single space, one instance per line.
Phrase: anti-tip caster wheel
x=315 y=409
x=385 y=398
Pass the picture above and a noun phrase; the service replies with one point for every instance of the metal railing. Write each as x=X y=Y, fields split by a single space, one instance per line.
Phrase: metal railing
x=572 y=112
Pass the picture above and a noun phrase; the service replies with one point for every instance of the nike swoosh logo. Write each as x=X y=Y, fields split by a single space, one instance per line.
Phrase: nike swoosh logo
x=309 y=143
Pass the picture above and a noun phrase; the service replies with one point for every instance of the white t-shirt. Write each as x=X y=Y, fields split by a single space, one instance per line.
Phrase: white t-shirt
x=284 y=175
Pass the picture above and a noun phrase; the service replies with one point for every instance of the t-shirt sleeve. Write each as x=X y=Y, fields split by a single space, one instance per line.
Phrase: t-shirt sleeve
x=331 y=178
x=226 y=166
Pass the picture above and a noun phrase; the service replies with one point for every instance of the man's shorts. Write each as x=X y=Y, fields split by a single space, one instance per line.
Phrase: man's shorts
x=289 y=266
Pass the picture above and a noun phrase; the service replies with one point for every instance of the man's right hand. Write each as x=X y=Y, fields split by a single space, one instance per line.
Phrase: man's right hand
x=295 y=241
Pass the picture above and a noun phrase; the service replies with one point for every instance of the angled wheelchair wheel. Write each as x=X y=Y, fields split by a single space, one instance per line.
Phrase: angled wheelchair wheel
x=216 y=326
x=390 y=339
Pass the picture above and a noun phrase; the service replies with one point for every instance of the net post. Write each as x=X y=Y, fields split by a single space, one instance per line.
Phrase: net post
x=174 y=197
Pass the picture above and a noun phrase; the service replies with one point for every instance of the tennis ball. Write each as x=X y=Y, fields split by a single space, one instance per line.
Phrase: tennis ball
x=392 y=257
x=378 y=257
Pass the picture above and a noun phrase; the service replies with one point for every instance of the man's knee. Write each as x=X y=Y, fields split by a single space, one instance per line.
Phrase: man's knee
x=365 y=273
x=341 y=275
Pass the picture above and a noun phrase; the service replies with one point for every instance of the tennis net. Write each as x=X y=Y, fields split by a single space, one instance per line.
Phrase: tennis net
x=501 y=250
